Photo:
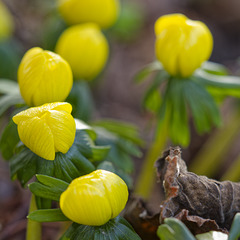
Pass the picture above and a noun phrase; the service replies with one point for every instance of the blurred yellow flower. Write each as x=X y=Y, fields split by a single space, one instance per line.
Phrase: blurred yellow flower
x=47 y=129
x=102 y=12
x=85 y=48
x=182 y=45
x=6 y=22
x=44 y=77
x=95 y=198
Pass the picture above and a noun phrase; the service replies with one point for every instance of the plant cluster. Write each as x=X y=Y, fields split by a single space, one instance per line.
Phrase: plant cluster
x=83 y=167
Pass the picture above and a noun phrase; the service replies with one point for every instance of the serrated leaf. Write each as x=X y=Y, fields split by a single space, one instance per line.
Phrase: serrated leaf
x=173 y=229
x=213 y=235
x=117 y=229
x=9 y=140
x=148 y=69
x=48 y=215
x=234 y=233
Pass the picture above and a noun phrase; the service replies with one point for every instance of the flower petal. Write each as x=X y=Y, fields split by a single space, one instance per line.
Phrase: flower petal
x=37 y=136
x=85 y=204
x=63 y=129
x=44 y=77
x=38 y=111
x=116 y=190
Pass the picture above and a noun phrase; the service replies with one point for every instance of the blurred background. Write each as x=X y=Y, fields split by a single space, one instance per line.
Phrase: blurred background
x=115 y=93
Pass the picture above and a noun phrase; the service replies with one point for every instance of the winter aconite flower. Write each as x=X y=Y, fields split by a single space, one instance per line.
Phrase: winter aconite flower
x=47 y=129
x=6 y=22
x=44 y=77
x=182 y=45
x=95 y=198
x=102 y=12
x=85 y=48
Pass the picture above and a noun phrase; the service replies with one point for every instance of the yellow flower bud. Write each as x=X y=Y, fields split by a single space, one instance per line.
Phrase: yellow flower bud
x=95 y=198
x=6 y=22
x=85 y=48
x=47 y=129
x=182 y=45
x=44 y=77
x=102 y=12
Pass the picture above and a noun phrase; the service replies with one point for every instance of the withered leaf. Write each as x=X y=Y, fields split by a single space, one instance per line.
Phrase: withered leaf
x=144 y=222
x=201 y=203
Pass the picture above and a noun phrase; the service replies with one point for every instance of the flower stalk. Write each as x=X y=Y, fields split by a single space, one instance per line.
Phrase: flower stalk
x=34 y=229
x=146 y=179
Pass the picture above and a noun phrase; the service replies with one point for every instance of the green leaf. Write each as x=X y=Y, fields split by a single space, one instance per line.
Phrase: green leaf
x=234 y=233
x=10 y=95
x=53 y=183
x=174 y=106
x=9 y=87
x=9 y=140
x=173 y=229
x=147 y=70
x=71 y=165
x=80 y=125
x=109 y=166
x=116 y=229
x=129 y=22
x=213 y=235
x=122 y=150
x=11 y=53
x=105 y=165
x=88 y=148
x=48 y=187
x=124 y=130
x=152 y=98
x=23 y=165
x=81 y=99
x=76 y=162
x=7 y=101
x=214 y=68
x=52 y=28
x=204 y=110
x=219 y=85
x=48 y=215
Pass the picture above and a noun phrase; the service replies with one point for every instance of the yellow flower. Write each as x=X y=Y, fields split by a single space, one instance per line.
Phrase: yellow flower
x=102 y=12
x=44 y=77
x=95 y=198
x=85 y=48
x=47 y=129
x=182 y=45
x=6 y=22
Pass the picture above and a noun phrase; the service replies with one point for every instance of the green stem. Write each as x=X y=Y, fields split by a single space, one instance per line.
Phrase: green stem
x=33 y=227
x=147 y=175
x=233 y=173
x=211 y=155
